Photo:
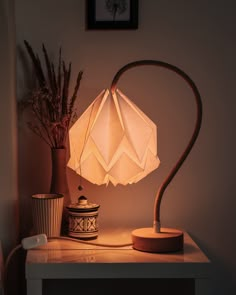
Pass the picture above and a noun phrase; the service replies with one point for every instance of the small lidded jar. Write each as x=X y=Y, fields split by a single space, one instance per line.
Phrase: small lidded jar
x=83 y=219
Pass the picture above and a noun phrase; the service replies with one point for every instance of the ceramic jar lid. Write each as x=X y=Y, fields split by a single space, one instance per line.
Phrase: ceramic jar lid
x=83 y=205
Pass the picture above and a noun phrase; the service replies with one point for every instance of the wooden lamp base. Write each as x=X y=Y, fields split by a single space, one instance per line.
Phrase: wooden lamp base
x=168 y=240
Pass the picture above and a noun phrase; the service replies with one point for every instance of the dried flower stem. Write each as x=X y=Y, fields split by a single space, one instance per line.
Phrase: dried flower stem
x=51 y=105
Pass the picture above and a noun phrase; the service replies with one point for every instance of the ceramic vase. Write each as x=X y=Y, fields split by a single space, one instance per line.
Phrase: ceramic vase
x=59 y=183
x=47 y=214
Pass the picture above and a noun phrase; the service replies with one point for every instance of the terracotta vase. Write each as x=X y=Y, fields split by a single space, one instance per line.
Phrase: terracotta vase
x=59 y=183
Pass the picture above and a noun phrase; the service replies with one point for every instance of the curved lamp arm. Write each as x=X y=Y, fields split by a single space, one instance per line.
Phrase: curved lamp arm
x=193 y=138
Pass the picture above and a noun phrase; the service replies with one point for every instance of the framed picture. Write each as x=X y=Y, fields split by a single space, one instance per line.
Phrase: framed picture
x=112 y=14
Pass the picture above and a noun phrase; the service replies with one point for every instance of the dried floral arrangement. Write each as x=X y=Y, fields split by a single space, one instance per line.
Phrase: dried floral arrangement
x=52 y=107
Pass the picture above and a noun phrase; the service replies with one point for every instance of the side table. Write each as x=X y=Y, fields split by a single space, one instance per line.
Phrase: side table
x=64 y=259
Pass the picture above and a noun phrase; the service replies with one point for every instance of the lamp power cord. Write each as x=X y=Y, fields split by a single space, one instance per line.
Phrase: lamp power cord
x=41 y=239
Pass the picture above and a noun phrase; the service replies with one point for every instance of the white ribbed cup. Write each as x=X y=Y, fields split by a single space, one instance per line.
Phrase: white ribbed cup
x=47 y=213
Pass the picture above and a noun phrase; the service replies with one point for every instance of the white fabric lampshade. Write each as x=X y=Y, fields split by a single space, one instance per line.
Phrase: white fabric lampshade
x=113 y=141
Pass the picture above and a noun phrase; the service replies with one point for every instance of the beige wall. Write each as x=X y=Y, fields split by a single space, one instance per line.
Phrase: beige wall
x=8 y=134
x=197 y=36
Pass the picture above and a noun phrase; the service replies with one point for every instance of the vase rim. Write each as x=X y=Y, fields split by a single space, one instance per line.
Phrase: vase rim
x=47 y=196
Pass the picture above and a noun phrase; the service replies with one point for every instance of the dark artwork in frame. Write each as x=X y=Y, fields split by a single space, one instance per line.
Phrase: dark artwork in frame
x=112 y=14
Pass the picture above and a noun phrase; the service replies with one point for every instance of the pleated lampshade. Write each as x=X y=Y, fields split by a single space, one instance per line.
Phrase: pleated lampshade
x=113 y=141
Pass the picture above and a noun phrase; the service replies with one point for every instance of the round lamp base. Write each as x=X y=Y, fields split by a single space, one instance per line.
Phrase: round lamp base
x=168 y=240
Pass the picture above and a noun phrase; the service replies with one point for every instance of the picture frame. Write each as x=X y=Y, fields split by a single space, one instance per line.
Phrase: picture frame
x=112 y=14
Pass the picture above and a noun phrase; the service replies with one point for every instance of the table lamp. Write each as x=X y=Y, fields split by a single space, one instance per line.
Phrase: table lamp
x=114 y=141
